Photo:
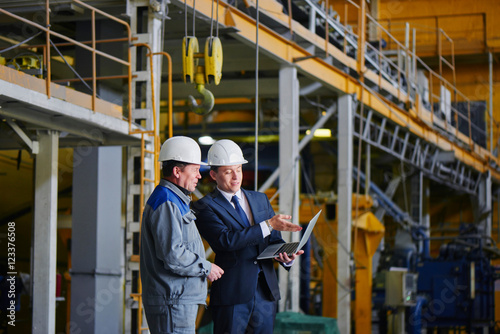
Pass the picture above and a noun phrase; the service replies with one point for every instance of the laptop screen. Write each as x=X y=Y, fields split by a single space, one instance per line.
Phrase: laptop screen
x=309 y=229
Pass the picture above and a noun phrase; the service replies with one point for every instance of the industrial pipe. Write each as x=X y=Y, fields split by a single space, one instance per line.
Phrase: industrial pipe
x=415 y=318
x=419 y=234
x=170 y=112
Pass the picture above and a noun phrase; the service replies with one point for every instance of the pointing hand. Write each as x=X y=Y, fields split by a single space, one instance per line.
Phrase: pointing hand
x=279 y=223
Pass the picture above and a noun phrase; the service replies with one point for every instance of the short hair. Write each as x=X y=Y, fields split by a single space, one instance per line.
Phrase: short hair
x=168 y=166
x=214 y=168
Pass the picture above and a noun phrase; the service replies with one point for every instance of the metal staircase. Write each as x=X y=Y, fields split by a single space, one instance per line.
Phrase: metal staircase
x=436 y=163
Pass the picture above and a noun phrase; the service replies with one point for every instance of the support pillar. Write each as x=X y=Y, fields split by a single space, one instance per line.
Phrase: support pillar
x=344 y=207
x=97 y=243
x=484 y=205
x=416 y=201
x=289 y=178
x=425 y=205
x=419 y=206
x=45 y=234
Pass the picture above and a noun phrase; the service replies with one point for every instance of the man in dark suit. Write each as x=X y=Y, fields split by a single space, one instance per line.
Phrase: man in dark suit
x=238 y=224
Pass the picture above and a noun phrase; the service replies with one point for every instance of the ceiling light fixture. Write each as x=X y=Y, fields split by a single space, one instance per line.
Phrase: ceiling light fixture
x=206 y=140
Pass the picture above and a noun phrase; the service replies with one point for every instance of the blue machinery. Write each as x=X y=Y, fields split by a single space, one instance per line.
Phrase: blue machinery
x=454 y=291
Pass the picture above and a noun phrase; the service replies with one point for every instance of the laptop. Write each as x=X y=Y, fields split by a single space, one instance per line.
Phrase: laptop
x=290 y=248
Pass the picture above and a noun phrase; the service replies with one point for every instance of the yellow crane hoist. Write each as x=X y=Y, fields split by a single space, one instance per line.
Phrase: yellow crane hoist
x=210 y=72
x=189 y=49
x=200 y=75
x=213 y=60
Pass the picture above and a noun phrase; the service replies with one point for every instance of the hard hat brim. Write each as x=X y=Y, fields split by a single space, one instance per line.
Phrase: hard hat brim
x=201 y=163
x=230 y=164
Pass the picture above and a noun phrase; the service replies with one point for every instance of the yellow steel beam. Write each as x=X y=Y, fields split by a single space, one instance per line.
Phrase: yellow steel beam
x=287 y=51
x=367 y=234
x=217 y=101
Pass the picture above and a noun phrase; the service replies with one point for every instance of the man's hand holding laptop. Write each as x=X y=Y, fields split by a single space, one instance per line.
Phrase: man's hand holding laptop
x=285 y=258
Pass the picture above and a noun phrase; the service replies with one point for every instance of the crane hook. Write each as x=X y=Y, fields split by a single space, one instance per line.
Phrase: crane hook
x=208 y=98
x=206 y=105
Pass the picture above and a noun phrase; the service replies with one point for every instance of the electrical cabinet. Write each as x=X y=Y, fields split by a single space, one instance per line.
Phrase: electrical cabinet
x=400 y=287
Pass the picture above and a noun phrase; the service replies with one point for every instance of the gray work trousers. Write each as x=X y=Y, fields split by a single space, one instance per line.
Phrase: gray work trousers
x=178 y=319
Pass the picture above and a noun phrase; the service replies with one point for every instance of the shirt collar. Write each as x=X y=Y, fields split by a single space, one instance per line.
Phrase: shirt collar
x=184 y=190
x=229 y=196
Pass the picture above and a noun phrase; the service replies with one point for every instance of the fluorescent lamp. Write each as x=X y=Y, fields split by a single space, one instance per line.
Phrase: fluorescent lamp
x=206 y=140
x=322 y=133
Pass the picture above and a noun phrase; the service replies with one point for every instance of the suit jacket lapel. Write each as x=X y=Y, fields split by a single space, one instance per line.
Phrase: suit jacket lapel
x=253 y=204
x=222 y=201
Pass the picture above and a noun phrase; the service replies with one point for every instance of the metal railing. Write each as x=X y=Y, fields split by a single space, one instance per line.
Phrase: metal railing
x=87 y=45
x=428 y=28
x=397 y=65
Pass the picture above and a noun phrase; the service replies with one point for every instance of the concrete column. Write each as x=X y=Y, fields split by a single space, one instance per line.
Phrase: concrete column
x=289 y=177
x=97 y=241
x=344 y=214
x=45 y=234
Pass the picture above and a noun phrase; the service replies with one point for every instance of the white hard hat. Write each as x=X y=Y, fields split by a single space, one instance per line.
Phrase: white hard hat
x=225 y=152
x=182 y=149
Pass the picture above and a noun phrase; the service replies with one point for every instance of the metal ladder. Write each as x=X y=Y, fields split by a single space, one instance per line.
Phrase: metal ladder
x=142 y=167
x=141 y=180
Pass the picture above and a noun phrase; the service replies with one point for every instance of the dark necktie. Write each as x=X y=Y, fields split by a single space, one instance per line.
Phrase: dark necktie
x=240 y=211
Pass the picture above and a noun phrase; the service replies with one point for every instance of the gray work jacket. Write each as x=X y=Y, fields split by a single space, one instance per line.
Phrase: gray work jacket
x=172 y=262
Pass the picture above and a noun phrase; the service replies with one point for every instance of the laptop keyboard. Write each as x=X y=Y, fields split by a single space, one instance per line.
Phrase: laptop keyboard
x=288 y=248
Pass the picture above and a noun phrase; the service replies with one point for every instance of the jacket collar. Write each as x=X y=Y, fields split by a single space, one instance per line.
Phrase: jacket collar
x=175 y=190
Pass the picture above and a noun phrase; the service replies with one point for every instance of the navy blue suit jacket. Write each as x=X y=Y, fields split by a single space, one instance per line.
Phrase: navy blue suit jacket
x=237 y=246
